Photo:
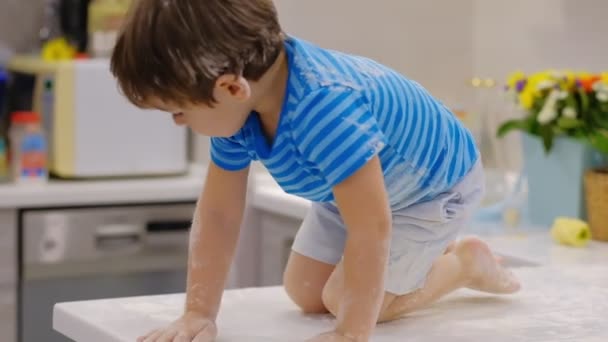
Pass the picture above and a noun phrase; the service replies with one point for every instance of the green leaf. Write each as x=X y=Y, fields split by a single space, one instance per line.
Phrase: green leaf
x=569 y=123
x=600 y=119
x=599 y=141
x=533 y=125
x=546 y=133
x=584 y=101
x=511 y=125
x=571 y=101
x=580 y=134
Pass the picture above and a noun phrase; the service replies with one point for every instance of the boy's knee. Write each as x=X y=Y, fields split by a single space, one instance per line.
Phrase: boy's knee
x=334 y=290
x=303 y=295
x=331 y=297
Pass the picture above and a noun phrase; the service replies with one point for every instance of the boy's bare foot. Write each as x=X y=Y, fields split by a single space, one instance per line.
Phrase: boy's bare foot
x=483 y=271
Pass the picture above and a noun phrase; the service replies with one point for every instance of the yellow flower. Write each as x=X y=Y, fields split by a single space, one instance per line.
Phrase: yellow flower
x=514 y=78
x=586 y=78
x=541 y=77
x=531 y=90
x=539 y=85
x=526 y=98
x=584 y=74
x=604 y=76
x=569 y=80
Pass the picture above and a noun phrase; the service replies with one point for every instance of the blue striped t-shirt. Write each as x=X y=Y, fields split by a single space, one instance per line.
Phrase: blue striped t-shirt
x=339 y=112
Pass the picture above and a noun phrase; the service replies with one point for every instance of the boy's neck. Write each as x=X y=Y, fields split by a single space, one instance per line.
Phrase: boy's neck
x=270 y=91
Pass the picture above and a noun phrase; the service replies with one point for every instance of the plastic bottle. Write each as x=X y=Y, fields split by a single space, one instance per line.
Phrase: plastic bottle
x=28 y=149
x=4 y=171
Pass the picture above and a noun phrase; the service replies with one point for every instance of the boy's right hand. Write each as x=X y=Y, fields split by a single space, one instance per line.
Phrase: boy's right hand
x=191 y=327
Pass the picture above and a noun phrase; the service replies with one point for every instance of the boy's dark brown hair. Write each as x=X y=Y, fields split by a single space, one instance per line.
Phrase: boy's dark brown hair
x=175 y=50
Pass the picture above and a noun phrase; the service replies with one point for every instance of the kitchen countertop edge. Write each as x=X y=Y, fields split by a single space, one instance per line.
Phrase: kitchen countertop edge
x=61 y=193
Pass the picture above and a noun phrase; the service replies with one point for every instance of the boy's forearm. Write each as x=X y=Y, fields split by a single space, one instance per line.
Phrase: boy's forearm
x=365 y=263
x=213 y=240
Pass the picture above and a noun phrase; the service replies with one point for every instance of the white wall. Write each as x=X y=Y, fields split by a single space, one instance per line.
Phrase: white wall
x=432 y=47
x=540 y=34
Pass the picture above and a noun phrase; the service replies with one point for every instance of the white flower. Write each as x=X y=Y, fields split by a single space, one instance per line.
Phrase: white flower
x=599 y=86
x=549 y=111
x=602 y=96
x=546 y=84
x=570 y=112
x=547 y=115
x=562 y=95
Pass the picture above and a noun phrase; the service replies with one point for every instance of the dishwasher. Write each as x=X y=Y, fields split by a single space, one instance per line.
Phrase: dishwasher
x=99 y=252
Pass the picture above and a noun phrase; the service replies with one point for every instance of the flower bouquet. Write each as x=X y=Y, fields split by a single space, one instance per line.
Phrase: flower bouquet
x=561 y=103
x=563 y=109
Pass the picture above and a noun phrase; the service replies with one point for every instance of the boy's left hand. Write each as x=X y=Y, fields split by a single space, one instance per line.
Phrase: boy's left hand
x=331 y=337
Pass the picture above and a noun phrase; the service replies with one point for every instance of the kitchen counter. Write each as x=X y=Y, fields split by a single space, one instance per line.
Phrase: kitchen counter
x=563 y=299
x=267 y=195
x=57 y=193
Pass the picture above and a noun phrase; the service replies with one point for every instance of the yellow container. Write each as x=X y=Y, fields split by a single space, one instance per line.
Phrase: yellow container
x=596 y=191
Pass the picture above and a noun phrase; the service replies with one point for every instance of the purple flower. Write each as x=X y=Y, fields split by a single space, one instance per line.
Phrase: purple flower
x=520 y=85
x=579 y=83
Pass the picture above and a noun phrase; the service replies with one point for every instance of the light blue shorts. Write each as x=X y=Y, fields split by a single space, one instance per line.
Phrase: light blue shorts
x=421 y=232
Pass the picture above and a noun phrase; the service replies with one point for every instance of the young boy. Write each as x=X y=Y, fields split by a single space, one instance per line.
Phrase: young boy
x=392 y=173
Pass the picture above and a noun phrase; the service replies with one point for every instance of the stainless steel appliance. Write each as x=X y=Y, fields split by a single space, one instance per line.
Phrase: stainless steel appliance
x=100 y=252
x=8 y=276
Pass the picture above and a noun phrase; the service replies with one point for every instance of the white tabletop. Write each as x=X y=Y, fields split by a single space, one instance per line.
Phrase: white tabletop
x=567 y=304
x=563 y=299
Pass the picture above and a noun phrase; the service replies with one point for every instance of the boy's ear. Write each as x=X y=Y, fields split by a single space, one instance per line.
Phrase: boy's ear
x=236 y=86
